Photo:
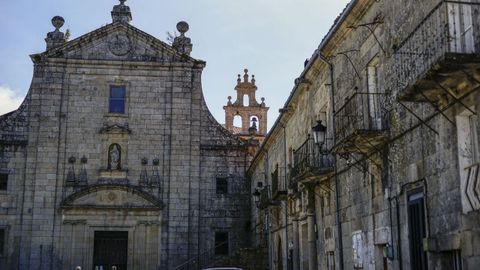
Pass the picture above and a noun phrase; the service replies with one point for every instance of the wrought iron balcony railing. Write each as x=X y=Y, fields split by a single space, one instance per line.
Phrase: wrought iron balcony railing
x=279 y=187
x=311 y=159
x=444 y=42
x=361 y=123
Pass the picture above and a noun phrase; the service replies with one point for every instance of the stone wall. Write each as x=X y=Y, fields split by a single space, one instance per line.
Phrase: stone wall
x=375 y=180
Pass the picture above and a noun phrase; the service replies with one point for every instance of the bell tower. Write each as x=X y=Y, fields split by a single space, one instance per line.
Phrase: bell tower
x=253 y=114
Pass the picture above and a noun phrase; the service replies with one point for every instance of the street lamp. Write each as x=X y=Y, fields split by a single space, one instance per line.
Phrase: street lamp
x=319 y=133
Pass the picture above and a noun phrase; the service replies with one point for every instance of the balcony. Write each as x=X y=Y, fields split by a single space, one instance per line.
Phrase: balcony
x=310 y=162
x=279 y=187
x=362 y=123
x=439 y=61
x=265 y=199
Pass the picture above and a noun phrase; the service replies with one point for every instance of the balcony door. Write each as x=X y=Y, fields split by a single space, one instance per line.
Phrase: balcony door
x=374 y=112
x=417 y=230
x=461 y=26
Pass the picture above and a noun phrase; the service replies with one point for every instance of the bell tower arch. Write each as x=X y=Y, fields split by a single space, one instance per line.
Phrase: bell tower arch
x=253 y=114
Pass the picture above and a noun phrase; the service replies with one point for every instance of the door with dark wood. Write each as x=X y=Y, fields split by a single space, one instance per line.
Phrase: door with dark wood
x=417 y=230
x=110 y=249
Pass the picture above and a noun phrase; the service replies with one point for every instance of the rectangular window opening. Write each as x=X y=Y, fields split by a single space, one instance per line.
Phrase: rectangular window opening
x=330 y=260
x=221 y=243
x=117 y=99
x=452 y=259
x=2 y=242
x=3 y=181
x=222 y=186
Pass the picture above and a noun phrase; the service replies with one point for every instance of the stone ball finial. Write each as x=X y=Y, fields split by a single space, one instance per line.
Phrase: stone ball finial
x=58 y=22
x=262 y=99
x=246 y=71
x=182 y=27
x=122 y=2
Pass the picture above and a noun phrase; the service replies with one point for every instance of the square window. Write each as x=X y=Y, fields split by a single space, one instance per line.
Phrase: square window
x=3 y=181
x=117 y=99
x=222 y=186
x=221 y=243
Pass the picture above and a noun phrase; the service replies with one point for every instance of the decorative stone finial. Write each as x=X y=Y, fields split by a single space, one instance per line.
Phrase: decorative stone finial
x=253 y=79
x=245 y=76
x=56 y=38
x=182 y=44
x=121 y=13
x=58 y=22
x=229 y=100
x=239 y=80
x=182 y=27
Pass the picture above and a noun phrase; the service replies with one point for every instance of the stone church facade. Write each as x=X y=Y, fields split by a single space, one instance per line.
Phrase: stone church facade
x=113 y=158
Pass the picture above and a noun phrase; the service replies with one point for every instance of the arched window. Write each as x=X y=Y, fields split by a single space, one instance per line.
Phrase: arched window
x=255 y=120
x=246 y=100
x=114 y=157
x=237 y=123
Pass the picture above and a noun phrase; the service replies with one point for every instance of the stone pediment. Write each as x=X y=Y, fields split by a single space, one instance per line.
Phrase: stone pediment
x=117 y=41
x=115 y=129
x=111 y=197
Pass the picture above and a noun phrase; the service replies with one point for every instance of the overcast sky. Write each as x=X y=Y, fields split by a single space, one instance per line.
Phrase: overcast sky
x=272 y=38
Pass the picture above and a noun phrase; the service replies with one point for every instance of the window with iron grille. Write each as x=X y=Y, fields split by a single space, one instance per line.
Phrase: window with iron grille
x=221 y=243
x=222 y=186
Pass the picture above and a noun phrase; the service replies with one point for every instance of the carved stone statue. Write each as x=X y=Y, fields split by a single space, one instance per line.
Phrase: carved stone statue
x=114 y=157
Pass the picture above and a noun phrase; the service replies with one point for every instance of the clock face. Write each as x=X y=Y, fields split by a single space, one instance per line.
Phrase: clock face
x=119 y=44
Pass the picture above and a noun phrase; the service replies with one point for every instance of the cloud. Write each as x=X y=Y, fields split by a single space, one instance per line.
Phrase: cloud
x=9 y=100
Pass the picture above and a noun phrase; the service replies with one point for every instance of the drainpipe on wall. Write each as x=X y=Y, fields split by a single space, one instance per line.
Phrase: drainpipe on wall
x=296 y=253
x=311 y=234
x=267 y=214
x=286 y=200
x=337 y=194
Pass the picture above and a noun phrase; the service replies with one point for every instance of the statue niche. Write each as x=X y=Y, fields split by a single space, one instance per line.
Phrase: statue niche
x=114 y=157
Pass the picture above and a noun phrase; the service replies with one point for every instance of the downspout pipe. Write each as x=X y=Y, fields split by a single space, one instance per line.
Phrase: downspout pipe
x=286 y=200
x=337 y=192
x=267 y=213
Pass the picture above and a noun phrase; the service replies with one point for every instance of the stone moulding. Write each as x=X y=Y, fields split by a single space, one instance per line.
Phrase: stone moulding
x=115 y=129
x=69 y=202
